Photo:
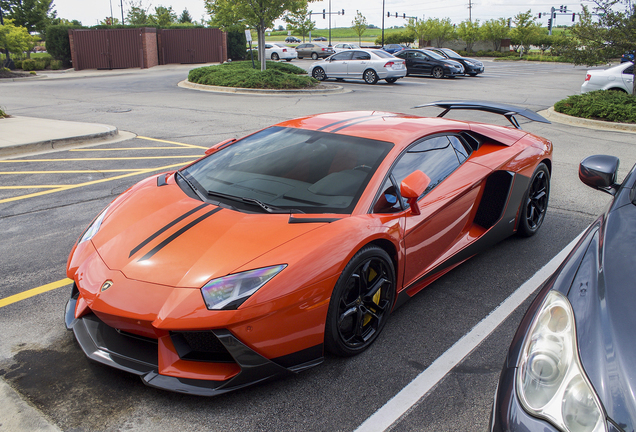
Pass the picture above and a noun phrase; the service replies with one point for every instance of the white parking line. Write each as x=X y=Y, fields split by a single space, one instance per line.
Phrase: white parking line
x=417 y=389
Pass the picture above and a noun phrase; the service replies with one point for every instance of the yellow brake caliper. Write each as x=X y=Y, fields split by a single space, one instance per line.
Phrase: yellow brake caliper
x=376 y=297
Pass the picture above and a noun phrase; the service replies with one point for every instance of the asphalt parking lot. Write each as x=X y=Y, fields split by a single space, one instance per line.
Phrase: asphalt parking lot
x=46 y=201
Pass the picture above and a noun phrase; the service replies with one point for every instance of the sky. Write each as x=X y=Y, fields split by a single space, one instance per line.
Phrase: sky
x=90 y=12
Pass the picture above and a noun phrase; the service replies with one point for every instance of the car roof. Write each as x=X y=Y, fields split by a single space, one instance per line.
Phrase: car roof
x=400 y=129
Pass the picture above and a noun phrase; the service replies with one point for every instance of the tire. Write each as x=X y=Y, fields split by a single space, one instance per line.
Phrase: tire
x=535 y=202
x=360 y=303
x=314 y=56
x=370 y=77
x=300 y=58
x=275 y=57
x=391 y=80
x=437 y=72
x=472 y=74
x=319 y=74
x=288 y=60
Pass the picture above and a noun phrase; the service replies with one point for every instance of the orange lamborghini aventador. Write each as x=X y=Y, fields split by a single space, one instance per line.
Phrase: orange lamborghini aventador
x=302 y=237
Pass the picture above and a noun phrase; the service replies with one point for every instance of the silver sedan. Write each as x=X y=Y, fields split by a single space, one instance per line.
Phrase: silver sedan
x=619 y=77
x=366 y=64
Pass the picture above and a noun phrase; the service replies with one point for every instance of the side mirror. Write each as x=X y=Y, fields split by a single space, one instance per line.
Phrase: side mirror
x=412 y=187
x=219 y=146
x=600 y=172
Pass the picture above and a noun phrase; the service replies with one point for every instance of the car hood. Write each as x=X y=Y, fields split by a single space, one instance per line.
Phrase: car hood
x=160 y=235
x=604 y=299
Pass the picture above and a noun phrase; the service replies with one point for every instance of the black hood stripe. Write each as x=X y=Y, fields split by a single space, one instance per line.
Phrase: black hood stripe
x=165 y=228
x=352 y=124
x=178 y=233
x=345 y=121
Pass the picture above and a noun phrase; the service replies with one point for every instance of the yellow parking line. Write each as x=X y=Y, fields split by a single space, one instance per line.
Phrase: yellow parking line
x=33 y=292
x=62 y=188
x=97 y=159
x=172 y=142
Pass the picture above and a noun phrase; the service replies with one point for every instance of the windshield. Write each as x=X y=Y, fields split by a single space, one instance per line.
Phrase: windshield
x=287 y=168
x=451 y=53
x=383 y=54
x=435 y=55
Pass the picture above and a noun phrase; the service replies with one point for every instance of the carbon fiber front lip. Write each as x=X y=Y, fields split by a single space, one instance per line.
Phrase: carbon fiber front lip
x=105 y=345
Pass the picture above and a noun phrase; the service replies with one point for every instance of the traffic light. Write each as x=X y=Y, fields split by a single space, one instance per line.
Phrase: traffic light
x=343 y=11
x=404 y=15
x=388 y=14
x=573 y=16
x=323 y=14
x=549 y=23
x=396 y=14
x=554 y=15
x=539 y=14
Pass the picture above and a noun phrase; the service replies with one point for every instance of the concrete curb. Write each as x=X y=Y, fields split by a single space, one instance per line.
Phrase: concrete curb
x=327 y=89
x=557 y=117
x=56 y=144
x=16 y=415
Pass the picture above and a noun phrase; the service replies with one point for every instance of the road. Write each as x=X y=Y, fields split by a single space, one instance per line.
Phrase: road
x=41 y=220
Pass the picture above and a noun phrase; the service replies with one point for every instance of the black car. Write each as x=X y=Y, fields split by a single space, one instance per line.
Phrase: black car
x=472 y=67
x=570 y=366
x=292 y=39
x=426 y=62
x=320 y=39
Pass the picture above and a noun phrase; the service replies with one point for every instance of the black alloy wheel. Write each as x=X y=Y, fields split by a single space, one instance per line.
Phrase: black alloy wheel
x=275 y=56
x=437 y=72
x=319 y=74
x=535 y=202
x=370 y=77
x=314 y=56
x=361 y=302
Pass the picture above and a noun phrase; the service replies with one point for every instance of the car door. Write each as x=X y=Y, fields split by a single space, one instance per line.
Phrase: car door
x=304 y=50
x=447 y=206
x=423 y=63
x=628 y=78
x=358 y=64
x=407 y=56
x=336 y=66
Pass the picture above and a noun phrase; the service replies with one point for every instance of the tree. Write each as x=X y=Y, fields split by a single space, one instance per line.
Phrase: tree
x=300 y=22
x=15 y=39
x=137 y=14
x=257 y=14
x=495 y=30
x=109 y=21
x=420 y=30
x=526 y=30
x=185 y=17
x=441 y=30
x=163 y=16
x=359 y=26
x=469 y=32
x=598 y=41
x=34 y=15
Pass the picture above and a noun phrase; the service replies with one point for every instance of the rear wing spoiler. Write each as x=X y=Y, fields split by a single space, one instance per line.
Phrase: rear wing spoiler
x=508 y=111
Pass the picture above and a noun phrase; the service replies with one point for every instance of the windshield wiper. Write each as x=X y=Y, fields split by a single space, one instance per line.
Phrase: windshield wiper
x=254 y=201
x=196 y=191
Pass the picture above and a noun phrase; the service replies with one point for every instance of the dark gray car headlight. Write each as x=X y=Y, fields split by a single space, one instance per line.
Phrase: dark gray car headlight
x=229 y=292
x=551 y=383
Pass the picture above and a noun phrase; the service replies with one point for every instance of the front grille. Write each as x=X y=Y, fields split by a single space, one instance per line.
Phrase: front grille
x=200 y=346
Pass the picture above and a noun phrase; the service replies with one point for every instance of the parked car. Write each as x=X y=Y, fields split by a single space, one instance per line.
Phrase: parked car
x=570 y=366
x=344 y=46
x=620 y=77
x=369 y=65
x=313 y=50
x=252 y=261
x=278 y=51
x=320 y=39
x=472 y=67
x=292 y=39
x=426 y=62
x=392 y=48
x=627 y=57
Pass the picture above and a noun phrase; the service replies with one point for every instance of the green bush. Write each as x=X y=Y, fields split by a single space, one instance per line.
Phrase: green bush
x=40 y=65
x=56 y=64
x=236 y=44
x=18 y=64
x=57 y=42
x=241 y=74
x=608 y=105
x=28 y=64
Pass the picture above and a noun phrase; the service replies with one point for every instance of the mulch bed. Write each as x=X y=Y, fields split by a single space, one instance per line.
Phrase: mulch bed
x=14 y=74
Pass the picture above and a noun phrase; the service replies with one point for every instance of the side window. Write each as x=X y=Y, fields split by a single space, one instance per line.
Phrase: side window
x=436 y=157
x=345 y=55
x=388 y=201
x=462 y=150
x=361 y=55
x=629 y=70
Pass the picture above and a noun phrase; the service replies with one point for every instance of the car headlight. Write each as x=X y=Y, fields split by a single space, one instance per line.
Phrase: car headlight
x=229 y=292
x=551 y=383
x=94 y=227
x=470 y=63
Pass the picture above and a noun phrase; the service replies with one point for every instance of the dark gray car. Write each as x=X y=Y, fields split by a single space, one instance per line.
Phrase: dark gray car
x=314 y=50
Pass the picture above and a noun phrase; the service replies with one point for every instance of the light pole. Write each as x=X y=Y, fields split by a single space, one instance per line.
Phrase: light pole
x=329 y=22
x=382 y=22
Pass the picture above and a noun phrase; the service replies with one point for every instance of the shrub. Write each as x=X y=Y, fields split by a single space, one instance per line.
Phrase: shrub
x=56 y=64
x=57 y=42
x=236 y=44
x=3 y=114
x=28 y=64
x=40 y=65
x=18 y=64
x=608 y=105
x=241 y=74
